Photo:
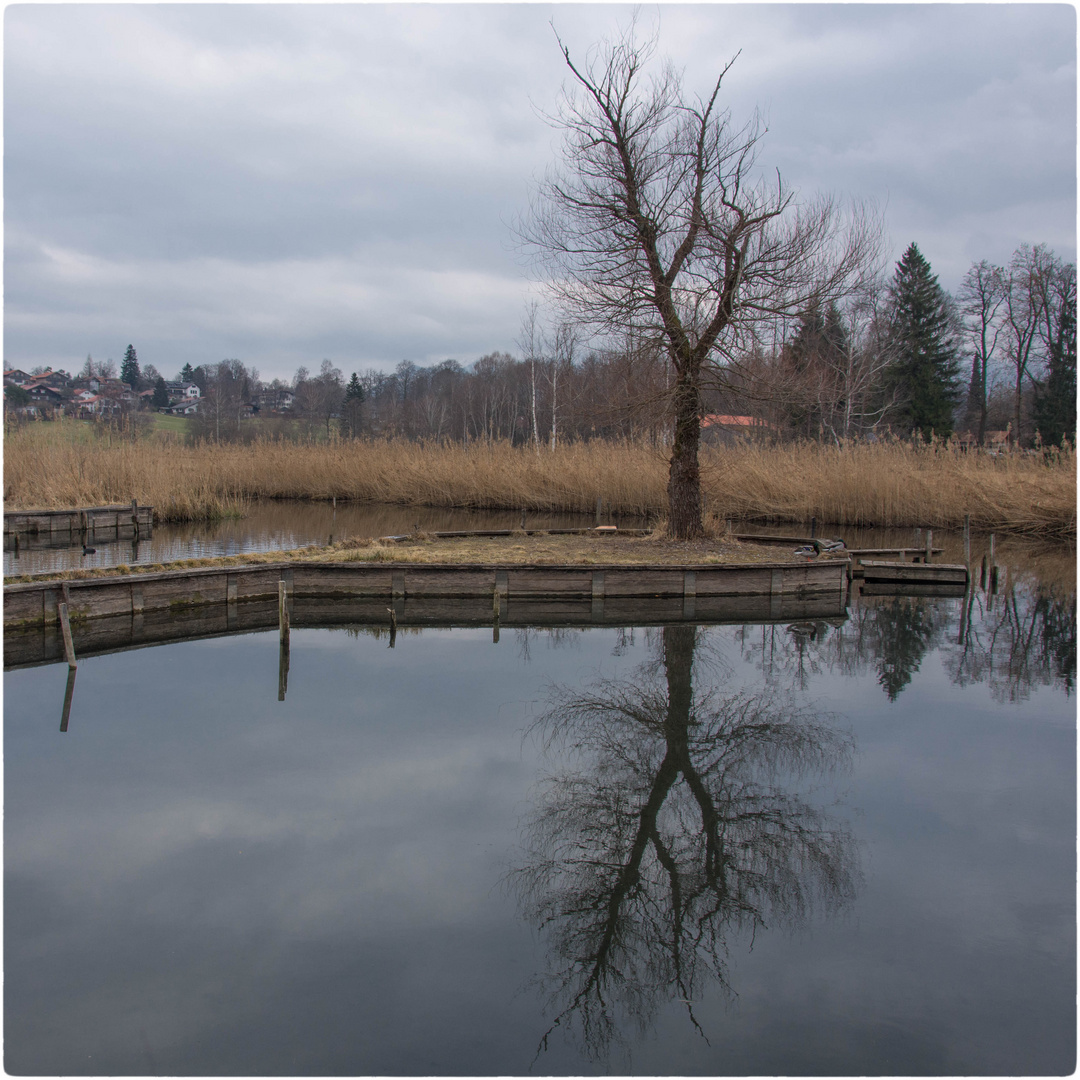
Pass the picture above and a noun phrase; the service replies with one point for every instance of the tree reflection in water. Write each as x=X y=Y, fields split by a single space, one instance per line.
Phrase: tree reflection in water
x=677 y=825
x=1022 y=638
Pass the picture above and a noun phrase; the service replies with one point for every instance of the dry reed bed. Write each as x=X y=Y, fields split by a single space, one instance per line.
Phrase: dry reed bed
x=885 y=484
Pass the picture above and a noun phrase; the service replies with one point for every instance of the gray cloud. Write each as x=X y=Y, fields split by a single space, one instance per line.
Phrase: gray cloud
x=284 y=183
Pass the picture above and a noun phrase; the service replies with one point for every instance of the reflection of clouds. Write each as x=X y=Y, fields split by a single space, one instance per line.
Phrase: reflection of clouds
x=382 y=945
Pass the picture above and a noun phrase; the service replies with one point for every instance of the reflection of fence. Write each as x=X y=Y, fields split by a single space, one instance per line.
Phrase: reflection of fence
x=125 y=611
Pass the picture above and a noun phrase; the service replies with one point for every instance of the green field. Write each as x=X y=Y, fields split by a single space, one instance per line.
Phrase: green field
x=175 y=424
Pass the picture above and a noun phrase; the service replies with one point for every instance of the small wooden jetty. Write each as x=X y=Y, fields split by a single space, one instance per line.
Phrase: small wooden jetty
x=65 y=528
x=879 y=572
x=900 y=552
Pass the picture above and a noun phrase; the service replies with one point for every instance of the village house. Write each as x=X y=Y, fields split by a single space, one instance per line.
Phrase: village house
x=182 y=391
x=274 y=400
x=718 y=428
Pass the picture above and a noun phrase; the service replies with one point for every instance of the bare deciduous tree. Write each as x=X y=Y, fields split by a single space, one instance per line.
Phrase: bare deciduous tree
x=660 y=217
x=982 y=292
x=1024 y=298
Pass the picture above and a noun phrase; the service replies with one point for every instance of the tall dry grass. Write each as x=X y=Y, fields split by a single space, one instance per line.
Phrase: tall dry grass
x=884 y=484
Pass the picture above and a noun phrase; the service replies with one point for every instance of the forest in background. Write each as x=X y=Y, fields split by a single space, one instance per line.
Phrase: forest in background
x=995 y=364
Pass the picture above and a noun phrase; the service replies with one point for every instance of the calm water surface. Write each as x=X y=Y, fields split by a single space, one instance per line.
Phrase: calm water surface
x=795 y=849
x=275 y=525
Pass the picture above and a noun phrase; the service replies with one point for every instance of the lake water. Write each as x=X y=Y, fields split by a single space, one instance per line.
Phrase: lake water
x=805 y=848
x=274 y=525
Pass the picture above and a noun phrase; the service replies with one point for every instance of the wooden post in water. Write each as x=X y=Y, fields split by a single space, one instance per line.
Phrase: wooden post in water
x=283 y=613
x=283 y=670
x=813 y=527
x=929 y=546
x=967 y=540
x=393 y=626
x=65 y=630
x=523 y=519
x=283 y=641
x=134 y=518
x=69 y=693
x=599 y=507
x=991 y=549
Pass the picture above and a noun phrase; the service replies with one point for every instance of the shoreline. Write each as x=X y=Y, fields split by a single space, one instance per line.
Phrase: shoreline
x=516 y=550
x=883 y=485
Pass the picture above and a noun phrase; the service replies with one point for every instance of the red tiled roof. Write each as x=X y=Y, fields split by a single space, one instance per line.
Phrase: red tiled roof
x=716 y=420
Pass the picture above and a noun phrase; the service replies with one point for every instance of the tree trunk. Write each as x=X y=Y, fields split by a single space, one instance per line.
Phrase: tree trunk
x=1019 y=399
x=684 y=477
x=982 y=402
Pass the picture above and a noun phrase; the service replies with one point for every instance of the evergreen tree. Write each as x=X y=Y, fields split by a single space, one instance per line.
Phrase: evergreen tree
x=1055 y=396
x=811 y=358
x=926 y=370
x=129 y=369
x=976 y=396
x=905 y=629
x=160 y=399
x=187 y=374
x=351 y=417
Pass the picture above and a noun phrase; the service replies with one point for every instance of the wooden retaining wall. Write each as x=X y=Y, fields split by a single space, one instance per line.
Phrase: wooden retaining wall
x=117 y=522
x=127 y=610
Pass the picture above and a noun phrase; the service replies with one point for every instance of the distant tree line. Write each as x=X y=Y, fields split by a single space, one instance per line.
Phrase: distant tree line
x=901 y=356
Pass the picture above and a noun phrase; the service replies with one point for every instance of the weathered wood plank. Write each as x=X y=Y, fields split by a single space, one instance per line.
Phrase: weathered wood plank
x=878 y=571
x=174 y=590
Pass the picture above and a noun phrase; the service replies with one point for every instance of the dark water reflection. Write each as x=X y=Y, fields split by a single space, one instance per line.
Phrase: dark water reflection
x=674 y=825
x=804 y=849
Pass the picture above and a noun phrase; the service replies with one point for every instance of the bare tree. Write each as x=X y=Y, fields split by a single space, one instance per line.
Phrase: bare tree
x=531 y=343
x=658 y=215
x=563 y=348
x=854 y=395
x=982 y=293
x=1025 y=295
x=329 y=392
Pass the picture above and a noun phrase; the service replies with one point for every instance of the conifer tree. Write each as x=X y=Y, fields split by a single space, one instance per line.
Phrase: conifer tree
x=160 y=399
x=810 y=358
x=351 y=416
x=1055 y=395
x=129 y=369
x=187 y=374
x=926 y=371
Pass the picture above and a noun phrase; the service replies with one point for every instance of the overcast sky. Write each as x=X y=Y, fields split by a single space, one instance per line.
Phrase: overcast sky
x=287 y=183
